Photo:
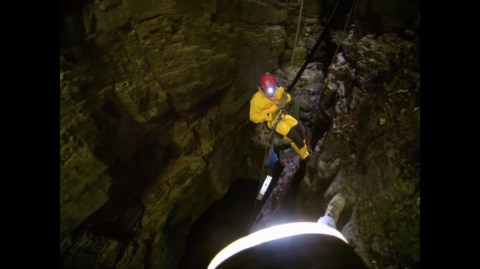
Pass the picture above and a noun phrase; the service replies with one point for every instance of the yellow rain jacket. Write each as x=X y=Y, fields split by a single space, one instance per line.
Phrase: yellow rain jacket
x=263 y=108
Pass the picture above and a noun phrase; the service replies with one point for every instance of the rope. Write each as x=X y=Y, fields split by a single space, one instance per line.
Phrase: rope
x=296 y=35
x=315 y=47
x=270 y=141
x=259 y=185
x=343 y=32
x=292 y=85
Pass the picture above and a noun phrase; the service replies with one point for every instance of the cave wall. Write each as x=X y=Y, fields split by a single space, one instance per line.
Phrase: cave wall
x=371 y=152
x=154 y=121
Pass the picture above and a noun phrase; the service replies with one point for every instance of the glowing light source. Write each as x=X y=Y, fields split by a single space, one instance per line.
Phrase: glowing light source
x=264 y=187
x=270 y=90
x=273 y=233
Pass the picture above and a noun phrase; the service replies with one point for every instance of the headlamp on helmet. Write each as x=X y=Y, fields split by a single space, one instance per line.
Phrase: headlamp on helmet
x=268 y=84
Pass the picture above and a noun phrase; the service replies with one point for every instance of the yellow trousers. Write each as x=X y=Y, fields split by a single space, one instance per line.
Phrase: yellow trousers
x=287 y=126
x=286 y=122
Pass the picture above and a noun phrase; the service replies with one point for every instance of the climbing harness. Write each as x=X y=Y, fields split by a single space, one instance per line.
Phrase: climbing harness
x=277 y=120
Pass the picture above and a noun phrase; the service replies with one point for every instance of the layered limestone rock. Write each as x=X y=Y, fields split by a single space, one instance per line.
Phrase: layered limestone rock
x=154 y=121
x=154 y=124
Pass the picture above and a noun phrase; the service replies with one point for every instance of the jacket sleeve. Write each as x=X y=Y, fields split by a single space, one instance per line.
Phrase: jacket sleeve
x=281 y=92
x=256 y=114
x=289 y=98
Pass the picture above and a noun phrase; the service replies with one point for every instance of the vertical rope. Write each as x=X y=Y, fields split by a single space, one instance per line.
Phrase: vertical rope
x=298 y=29
x=250 y=222
x=343 y=32
x=315 y=47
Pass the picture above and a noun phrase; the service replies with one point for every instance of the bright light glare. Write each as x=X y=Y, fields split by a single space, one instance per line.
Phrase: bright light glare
x=270 y=90
x=264 y=187
x=273 y=233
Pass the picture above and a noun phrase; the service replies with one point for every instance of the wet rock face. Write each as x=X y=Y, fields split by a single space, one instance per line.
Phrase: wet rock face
x=154 y=113
x=371 y=152
x=154 y=125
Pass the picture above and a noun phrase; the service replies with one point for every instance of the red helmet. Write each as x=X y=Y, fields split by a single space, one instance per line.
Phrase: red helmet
x=268 y=84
